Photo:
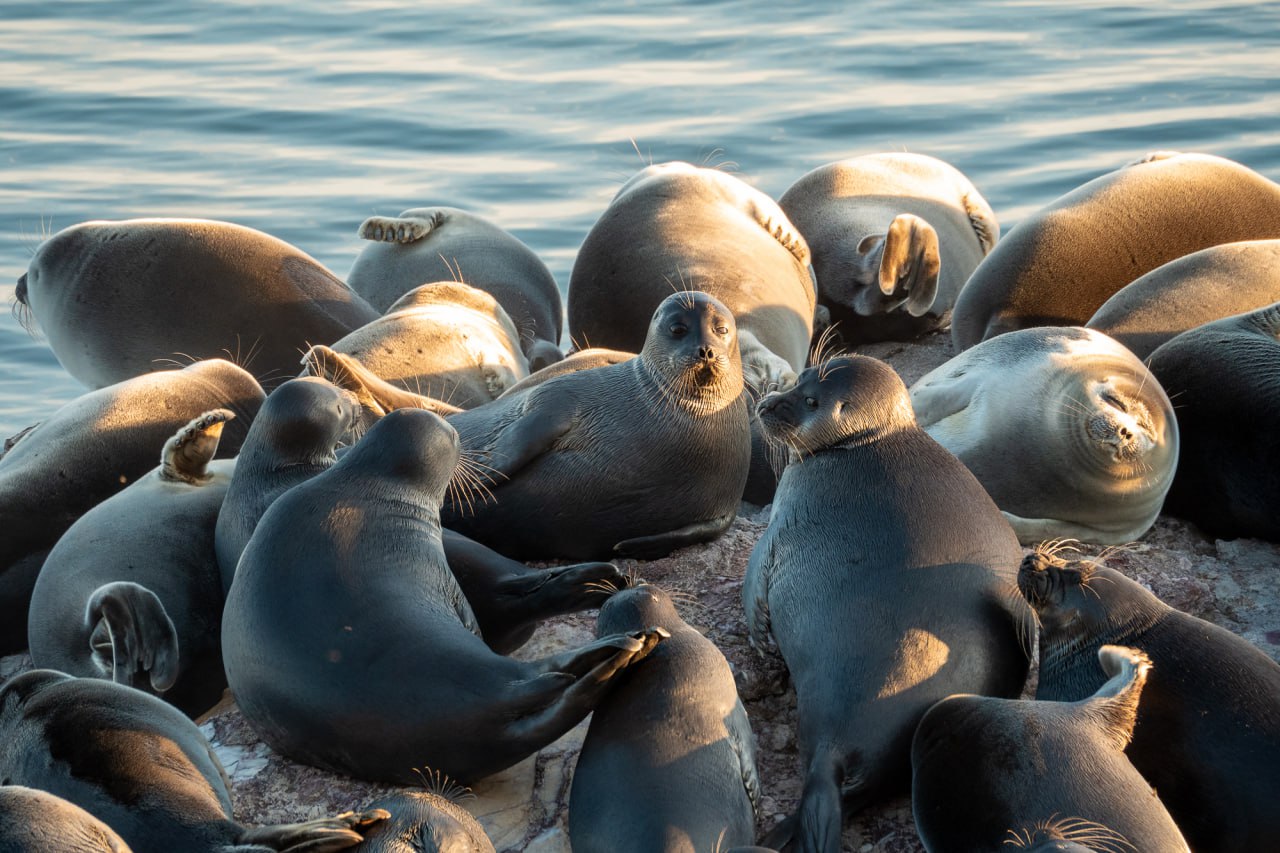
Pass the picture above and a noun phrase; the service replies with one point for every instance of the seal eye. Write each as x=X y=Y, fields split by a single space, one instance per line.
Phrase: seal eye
x=811 y=402
x=1112 y=399
x=678 y=330
x=722 y=330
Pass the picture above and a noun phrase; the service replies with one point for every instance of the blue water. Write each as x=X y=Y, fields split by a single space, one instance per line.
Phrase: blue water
x=301 y=119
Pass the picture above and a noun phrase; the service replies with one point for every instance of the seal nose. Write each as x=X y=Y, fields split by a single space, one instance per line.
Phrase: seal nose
x=20 y=293
x=707 y=353
x=768 y=404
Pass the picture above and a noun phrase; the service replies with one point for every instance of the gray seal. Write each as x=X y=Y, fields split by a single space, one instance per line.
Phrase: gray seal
x=674 y=226
x=131 y=593
x=343 y=609
x=1059 y=265
x=88 y=450
x=894 y=237
x=1187 y=292
x=141 y=767
x=1001 y=774
x=426 y=822
x=447 y=244
x=886 y=579
x=119 y=299
x=1065 y=428
x=1225 y=378
x=1208 y=729
x=674 y=730
x=34 y=821
x=631 y=459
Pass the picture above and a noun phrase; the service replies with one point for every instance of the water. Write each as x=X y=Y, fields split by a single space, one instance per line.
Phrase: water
x=301 y=119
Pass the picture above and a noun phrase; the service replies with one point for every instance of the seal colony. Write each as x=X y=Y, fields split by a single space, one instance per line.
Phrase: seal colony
x=362 y=634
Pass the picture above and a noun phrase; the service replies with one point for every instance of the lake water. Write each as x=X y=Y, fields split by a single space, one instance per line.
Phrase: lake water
x=301 y=119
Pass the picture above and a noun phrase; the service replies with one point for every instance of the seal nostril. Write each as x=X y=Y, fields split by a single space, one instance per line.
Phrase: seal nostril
x=706 y=353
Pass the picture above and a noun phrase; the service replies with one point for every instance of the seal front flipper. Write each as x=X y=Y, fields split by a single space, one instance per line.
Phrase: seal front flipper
x=1116 y=702
x=132 y=636
x=400 y=229
x=527 y=438
x=755 y=593
x=910 y=262
x=314 y=836
x=662 y=544
x=376 y=395
x=186 y=456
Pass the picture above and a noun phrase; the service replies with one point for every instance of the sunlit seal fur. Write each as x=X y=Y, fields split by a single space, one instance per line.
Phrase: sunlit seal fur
x=1225 y=380
x=141 y=767
x=350 y=646
x=446 y=244
x=894 y=237
x=34 y=821
x=426 y=822
x=631 y=459
x=119 y=299
x=1207 y=285
x=1068 y=432
x=987 y=773
x=674 y=226
x=443 y=340
x=1059 y=265
x=88 y=450
x=131 y=592
x=676 y=730
x=886 y=578
x=1208 y=730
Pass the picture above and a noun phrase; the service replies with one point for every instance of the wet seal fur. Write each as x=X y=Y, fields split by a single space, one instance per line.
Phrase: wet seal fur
x=632 y=459
x=1031 y=771
x=131 y=591
x=1208 y=729
x=447 y=244
x=115 y=299
x=343 y=592
x=1225 y=378
x=1069 y=433
x=34 y=821
x=874 y=518
x=138 y=765
x=894 y=236
x=1059 y=265
x=88 y=450
x=1211 y=284
x=674 y=226
x=675 y=730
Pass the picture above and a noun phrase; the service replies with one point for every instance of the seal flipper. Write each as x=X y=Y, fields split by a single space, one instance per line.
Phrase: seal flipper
x=527 y=438
x=131 y=635
x=1116 y=702
x=817 y=824
x=910 y=262
x=314 y=836
x=755 y=593
x=376 y=395
x=186 y=456
x=662 y=544
x=400 y=229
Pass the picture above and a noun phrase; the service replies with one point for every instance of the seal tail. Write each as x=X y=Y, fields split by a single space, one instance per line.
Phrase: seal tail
x=816 y=825
x=314 y=836
x=132 y=635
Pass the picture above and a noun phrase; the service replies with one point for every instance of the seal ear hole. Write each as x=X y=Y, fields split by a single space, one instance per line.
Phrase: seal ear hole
x=811 y=402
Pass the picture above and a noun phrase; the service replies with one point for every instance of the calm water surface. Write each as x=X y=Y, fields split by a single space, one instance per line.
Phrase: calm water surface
x=301 y=119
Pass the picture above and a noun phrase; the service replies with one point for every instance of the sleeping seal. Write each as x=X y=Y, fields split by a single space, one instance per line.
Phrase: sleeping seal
x=886 y=578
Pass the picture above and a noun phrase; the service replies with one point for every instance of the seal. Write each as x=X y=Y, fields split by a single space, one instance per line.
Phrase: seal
x=444 y=340
x=1035 y=770
x=447 y=244
x=130 y=592
x=1187 y=292
x=82 y=738
x=636 y=459
x=674 y=729
x=1067 y=431
x=88 y=450
x=1223 y=377
x=894 y=237
x=343 y=590
x=104 y=295
x=32 y=820
x=426 y=821
x=676 y=226
x=1061 y=264
x=1208 y=730
x=873 y=517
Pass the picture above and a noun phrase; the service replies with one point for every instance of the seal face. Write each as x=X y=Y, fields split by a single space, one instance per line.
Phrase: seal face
x=447 y=244
x=92 y=448
x=1067 y=431
x=1062 y=263
x=1216 y=771
x=343 y=591
x=104 y=295
x=1223 y=376
x=676 y=226
x=425 y=822
x=1024 y=765
x=130 y=592
x=894 y=237
x=873 y=517
x=674 y=729
x=636 y=458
